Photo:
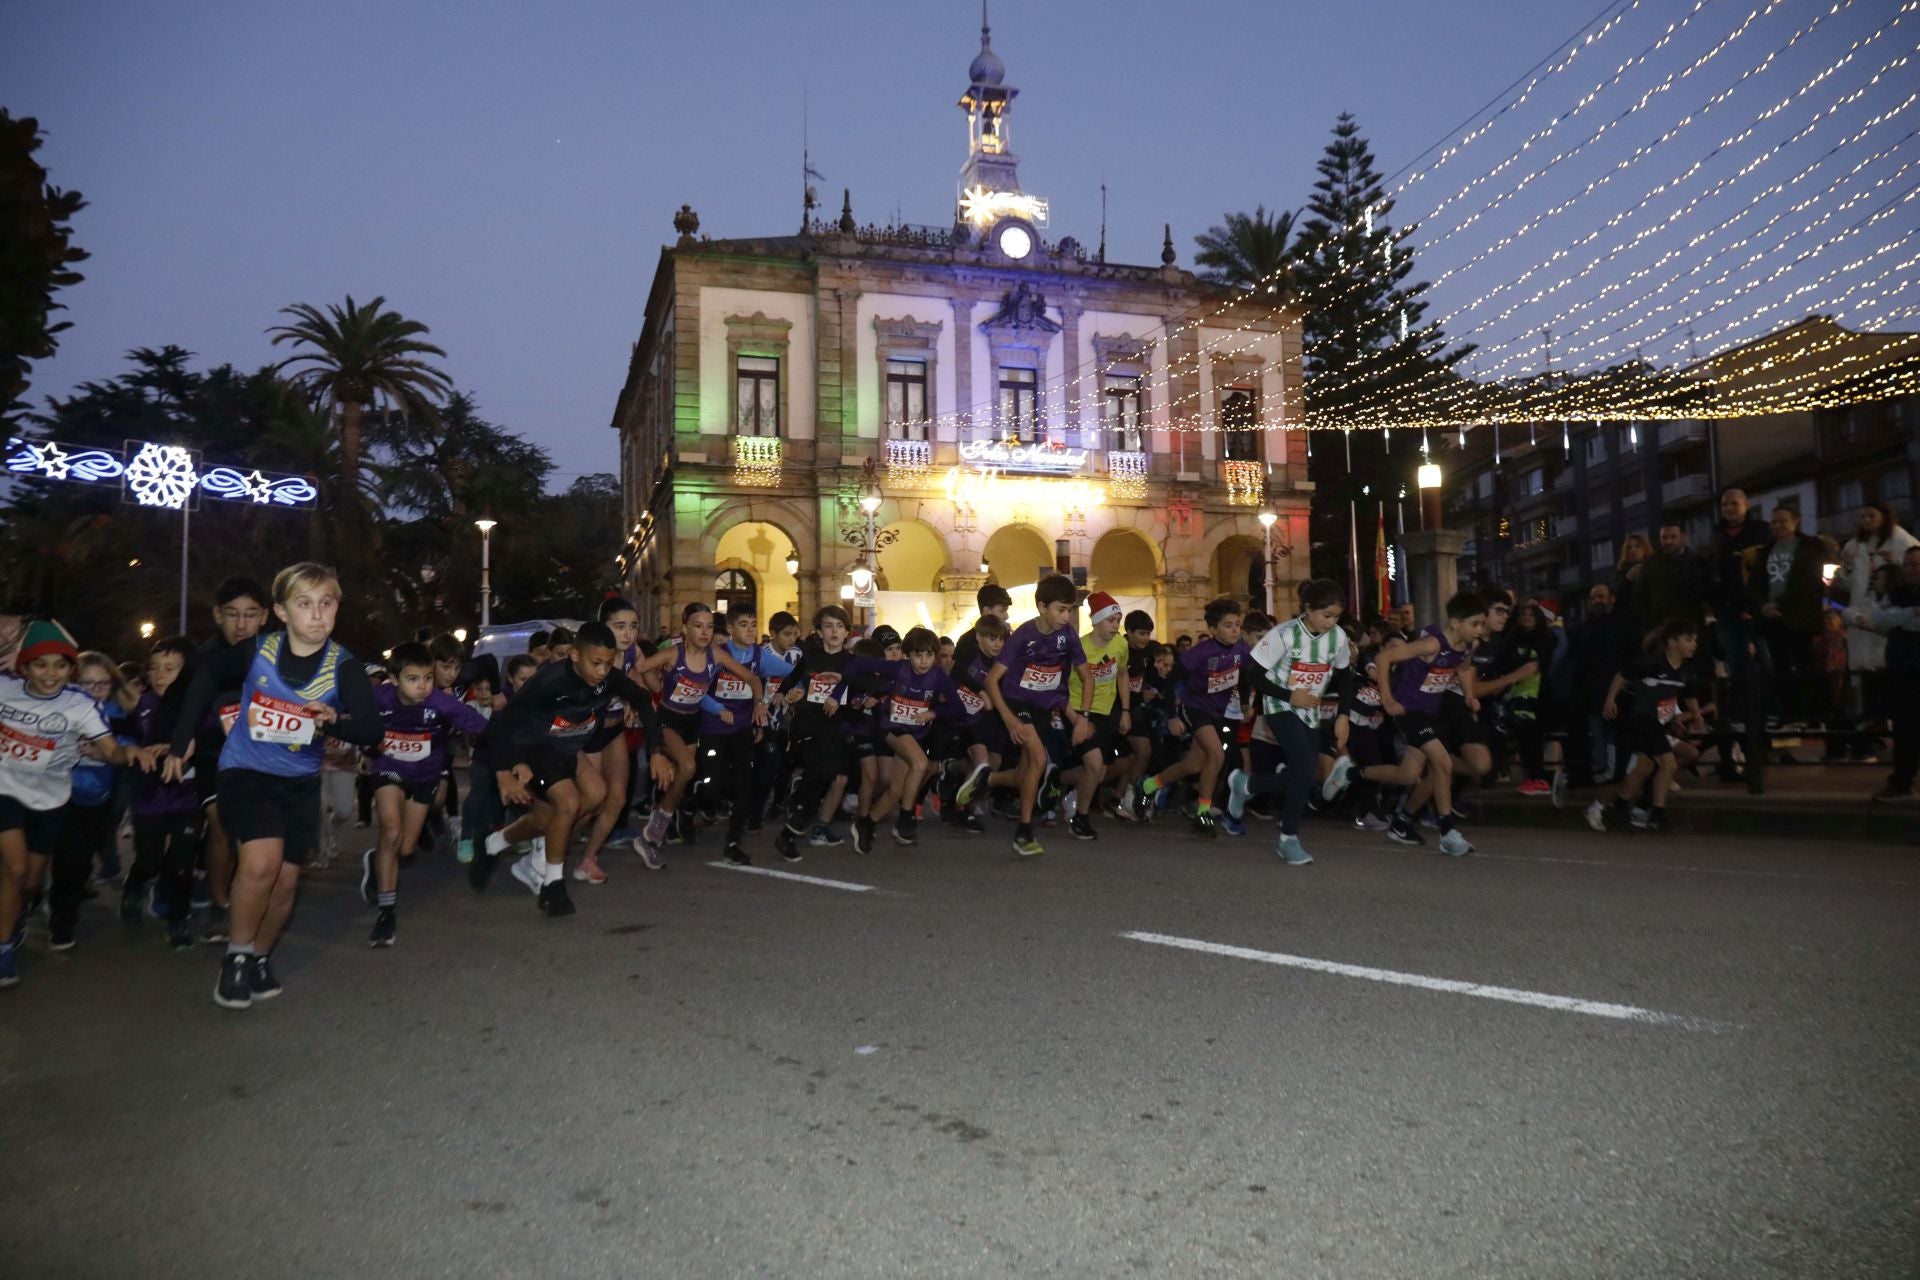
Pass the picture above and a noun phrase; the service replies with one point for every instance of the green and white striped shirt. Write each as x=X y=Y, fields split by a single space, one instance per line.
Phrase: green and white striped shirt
x=1296 y=658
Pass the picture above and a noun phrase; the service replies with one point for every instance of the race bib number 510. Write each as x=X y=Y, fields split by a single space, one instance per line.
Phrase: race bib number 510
x=271 y=719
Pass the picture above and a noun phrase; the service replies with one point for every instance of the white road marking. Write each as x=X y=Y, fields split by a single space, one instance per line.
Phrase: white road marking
x=1703 y=871
x=1539 y=999
x=848 y=885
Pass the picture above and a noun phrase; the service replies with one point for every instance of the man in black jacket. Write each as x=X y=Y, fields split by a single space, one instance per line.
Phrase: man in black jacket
x=1597 y=648
x=1735 y=637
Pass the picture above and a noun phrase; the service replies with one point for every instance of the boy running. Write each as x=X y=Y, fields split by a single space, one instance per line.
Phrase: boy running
x=1212 y=682
x=687 y=672
x=239 y=612
x=918 y=689
x=817 y=693
x=1108 y=653
x=1027 y=686
x=1665 y=700
x=1414 y=678
x=730 y=732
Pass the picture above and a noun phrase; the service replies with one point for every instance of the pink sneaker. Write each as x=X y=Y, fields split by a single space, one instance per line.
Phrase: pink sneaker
x=1535 y=787
x=589 y=871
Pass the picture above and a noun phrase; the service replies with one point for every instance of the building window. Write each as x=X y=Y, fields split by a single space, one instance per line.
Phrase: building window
x=1020 y=405
x=906 y=399
x=1596 y=448
x=1533 y=482
x=757 y=406
x=1239 y=418
x=1896 y=487
x=1849 y=495
x=1603 y=557
x=1120 y=414
x=733 y=587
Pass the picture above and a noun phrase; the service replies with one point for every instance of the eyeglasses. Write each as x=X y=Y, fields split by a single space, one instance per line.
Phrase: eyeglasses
x=96 y=684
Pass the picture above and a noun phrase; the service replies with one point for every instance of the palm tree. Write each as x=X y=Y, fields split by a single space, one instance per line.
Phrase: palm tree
x=1250 y=252
x=355 y=355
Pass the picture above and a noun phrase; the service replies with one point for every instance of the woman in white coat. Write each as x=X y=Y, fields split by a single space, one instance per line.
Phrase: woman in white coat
x=1879 y=542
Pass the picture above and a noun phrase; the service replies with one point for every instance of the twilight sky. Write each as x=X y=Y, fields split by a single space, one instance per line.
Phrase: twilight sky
x=507 y=172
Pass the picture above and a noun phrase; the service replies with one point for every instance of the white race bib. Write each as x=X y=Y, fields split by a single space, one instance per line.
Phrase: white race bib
x=686 y=693
x=1039 y=679
x=22 y=750
x=271 y=719
x=229 y=716
x=398 y=745
x=907 y=711
x=821 y=687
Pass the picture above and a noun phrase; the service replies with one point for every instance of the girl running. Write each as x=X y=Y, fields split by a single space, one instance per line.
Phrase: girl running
x=688 y=670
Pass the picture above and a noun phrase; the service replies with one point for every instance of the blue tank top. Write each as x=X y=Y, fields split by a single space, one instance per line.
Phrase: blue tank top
x=736 y=693
x=1420 y=683
x=273 y=734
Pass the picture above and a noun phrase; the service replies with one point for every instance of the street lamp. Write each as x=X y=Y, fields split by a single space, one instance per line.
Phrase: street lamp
x=1428 y=478
x=485 y=525
x=1267 y=519
x=793 y=565
x=146 y=630
x=870 y=499
x=460 y=634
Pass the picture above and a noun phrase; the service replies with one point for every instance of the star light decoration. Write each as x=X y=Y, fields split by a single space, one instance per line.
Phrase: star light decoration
x=158 y=475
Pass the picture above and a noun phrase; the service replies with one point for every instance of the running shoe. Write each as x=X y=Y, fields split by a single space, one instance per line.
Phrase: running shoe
x=1559 y=788
x=9 y=966
x=180 y=934
x=554 y=900
x=202 y=897
x=1653 y=824
x=1370 y=822
x=216 y=930
x=1337 y=781
x=1237 y=794
x=533 y=877
x=233 y=991
x=60 y=935
x=1081 y=829
x=906 y=831
x=369 y=891
x=1291 y=852
x=862 y=835
x=1535 y=787
x=383 y=927
x=736 y=855
x=1891 y=794
x=656 y=829
x=1429 y=819
x=971 y=824
x=1638 y=819
x=463 y=852
x=1138 y=802
x=589 y=871
x=1205 y=824
x=1402 y=831
x=1027 y=847
x=159 y=903
x=130 y=897
x=785 y=846
x=1455 y=845
x=1464 y=809
x=260 y=979
x=968 y=789
x=1049 y=793
x=823 y=836
x=1070 y=805
x=109 y=872
x=1230 y=824
x=1597 y=816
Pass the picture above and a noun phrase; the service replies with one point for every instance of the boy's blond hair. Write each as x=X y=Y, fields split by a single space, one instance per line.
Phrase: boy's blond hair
x=305 y=576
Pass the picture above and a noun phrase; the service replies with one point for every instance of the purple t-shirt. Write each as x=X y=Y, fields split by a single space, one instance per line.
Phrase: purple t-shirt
x=912 y=694
x=1037 y=665
x=413 y=741
x=1212 y=674
x=1420 y=683
x=153 y=798
x=968 y=703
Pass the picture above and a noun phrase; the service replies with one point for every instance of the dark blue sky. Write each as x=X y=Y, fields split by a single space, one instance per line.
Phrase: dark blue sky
x=507 y=172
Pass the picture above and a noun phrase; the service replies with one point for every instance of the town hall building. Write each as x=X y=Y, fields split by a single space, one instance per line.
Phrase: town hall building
x=889 y=417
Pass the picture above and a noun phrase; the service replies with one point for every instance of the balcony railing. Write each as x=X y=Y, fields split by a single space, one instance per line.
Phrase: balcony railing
x=756 y=461
x=1694 y=488
x=1679 y=435
x=908 y=461
x=1246 y=482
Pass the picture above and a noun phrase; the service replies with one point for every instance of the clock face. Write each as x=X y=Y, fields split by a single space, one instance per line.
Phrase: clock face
x=1015 y=241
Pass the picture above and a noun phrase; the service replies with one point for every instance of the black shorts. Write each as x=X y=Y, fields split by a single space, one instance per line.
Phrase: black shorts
x=605 y=736
x=1369 y=746
x=549 y=765
x=990 y=731
x=1330 y=745
x=684 y=723
x=1106 y=736
x=1418 y=728
x=1464 y=728
x=266 y=806
x=1196 y=719
x=417 y=791
x=862 y=745
x=1052 y=727
x=41 y=827
x=1646 y=736
x=822 y=753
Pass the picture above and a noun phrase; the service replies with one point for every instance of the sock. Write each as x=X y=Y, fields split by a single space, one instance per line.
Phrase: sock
x=387 y=899
x=1205 y=806
x=553 y=871
x=1023 y=832
x=240 y=949
x=1446 y=823
x=1151 y=786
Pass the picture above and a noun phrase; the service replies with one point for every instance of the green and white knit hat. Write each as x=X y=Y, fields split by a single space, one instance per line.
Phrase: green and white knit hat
x=44 y=636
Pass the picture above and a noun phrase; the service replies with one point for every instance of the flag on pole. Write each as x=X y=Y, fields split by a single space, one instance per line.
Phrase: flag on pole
x=1381 y=579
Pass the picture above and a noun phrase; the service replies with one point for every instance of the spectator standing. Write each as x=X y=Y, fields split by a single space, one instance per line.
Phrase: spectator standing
x=1736 y=635
x=1878 y=542
x=1784 y=590
x=1899 y=621
x=1674 y=584
x=1597 y=649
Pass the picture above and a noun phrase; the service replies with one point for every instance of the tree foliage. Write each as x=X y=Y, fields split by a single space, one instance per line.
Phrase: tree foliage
x=1249 y=251
x=37 y=255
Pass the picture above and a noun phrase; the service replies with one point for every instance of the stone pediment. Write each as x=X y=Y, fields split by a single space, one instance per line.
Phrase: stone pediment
x=1022 y=307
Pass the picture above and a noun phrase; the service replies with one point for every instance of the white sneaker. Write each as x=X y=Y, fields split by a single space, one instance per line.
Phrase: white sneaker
x=497 y=843
x=531 y=874
x=1455 y=845
x=1338 y=780
x=1597 y=816
x=1639 y=819
x=1069 y=805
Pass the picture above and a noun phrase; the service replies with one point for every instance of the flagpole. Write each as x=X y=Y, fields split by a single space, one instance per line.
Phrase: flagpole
x=1353 y=544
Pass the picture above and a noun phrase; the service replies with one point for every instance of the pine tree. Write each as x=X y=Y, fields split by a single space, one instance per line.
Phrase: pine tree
x=1368 y=344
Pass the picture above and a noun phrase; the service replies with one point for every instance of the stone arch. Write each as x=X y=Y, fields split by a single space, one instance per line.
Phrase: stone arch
x=915 y=560
x=1013 y=552
x=1127 y=565
x=759 y=548
x=1229 y=565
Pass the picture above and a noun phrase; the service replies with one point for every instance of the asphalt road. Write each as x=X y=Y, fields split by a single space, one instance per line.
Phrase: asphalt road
x=971 y=1070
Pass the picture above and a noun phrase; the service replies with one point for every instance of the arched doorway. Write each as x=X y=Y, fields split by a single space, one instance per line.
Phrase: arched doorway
x=761 y=550
x=1017 y=556
x=1127 y=567
x=731 y=587
x=911 y=557
x=1236 y=564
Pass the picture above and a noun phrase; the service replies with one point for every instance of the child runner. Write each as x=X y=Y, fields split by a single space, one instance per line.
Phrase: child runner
x=534 y=744
x=46 y=725
x=1111 y=706
x=1212 y=681
x=606 y=750
x=296 y=682
x=1413 y=678
x=166 y=816
x=919 y=688
x=688 y=670
x=978 y=739
x=409 y=767
x=1138 y=739
x=239 y=612
x=817 y=693
x=1028 y=689
x=483 y=814
x=89 y=826
x=1296 y=662
x=730 y=732
x=1665 y=698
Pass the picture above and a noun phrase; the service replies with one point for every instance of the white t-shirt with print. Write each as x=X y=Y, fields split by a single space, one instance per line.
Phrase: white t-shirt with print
x=40 y=741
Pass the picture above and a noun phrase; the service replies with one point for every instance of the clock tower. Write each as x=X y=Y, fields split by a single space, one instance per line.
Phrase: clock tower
x=991 y=202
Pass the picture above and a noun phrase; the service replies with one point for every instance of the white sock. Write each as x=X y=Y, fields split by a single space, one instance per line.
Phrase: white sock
x=555 y=871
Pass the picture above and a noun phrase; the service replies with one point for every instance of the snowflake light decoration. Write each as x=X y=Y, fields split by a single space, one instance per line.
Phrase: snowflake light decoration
x=161 y=475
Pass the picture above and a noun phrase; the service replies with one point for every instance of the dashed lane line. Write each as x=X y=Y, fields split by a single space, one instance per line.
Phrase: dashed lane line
x=824 y=883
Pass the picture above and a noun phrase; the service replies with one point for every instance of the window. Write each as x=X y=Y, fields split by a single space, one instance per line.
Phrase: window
x=1849 y=495
x=1120 y=413
x=757 y=406
x=907 y=399
x=1896 y=487
x=1603 y=557
x=732 y=587
x=1596 y=448
x=1533 y=482
x=1239 y=419
x=1020 y=405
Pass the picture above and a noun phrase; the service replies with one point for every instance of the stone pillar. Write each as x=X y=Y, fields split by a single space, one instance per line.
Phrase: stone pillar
x=964 y=398
x=1186 y=596
x=1433 y=557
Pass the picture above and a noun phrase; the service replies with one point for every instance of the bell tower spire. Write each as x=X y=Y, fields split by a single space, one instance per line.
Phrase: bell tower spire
x=990 y=179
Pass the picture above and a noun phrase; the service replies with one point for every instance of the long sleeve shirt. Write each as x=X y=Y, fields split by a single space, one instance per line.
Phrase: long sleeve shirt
x=558 y=710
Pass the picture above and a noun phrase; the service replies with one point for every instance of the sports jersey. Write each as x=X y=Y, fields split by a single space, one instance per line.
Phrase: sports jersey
x=1108 y=661
x=681 y=687
x=731 y=693
x=153 y=720
x=1659 y=689
x=270 y=731
x=911 y=696
x=1298 y=660
x=413 y=740
x=1139 y=667
x=1037 y=664
x=556 y=711
x=1420 y=682
x=40 y=740
x=1212 y=676
x=1364 y=707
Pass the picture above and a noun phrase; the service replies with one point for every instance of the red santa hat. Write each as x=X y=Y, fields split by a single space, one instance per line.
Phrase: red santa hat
x=1101 y=606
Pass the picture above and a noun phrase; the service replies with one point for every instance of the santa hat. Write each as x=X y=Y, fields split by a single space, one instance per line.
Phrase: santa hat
x=1101 y=606
x=44 y=636
x=1549 y=607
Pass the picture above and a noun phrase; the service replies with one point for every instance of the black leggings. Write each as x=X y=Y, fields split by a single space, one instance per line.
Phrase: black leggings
x=86 y=832
x=824 y=757
x=1300 y=752
x=731 y=769
x=165 y=846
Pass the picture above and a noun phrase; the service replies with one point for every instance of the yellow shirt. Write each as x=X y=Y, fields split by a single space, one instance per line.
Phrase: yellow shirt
x=1109 y=664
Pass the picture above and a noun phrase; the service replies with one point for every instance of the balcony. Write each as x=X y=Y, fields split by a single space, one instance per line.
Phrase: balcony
x=909 y=461
x=756 y=461
x=1563 y=483
x=1246 y=482
x=1686 y=489
x=1127 y=474
x=1541 y=550
x=1675 y=436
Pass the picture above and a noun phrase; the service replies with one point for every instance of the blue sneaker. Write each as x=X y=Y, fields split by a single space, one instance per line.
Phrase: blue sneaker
x=824 y=837
x=463 y=852
x=9 y=969
x=19 y=937
x=1291 y=852
x=1455 y=845
x=158 y=906
x=1338 y=780
x=1237 y=796
x=1232 y=825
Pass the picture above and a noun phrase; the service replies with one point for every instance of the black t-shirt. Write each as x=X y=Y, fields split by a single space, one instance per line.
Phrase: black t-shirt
x=556 y=709
x=1659 y=689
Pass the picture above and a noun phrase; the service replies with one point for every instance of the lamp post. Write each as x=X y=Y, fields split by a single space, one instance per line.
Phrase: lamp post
x=485 y=525
x=863 y=577
x=1267 y=519
x=1428 y=478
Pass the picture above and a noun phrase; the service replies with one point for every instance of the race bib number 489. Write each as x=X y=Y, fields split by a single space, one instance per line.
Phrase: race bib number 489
x=406 y=746
x=271 y=719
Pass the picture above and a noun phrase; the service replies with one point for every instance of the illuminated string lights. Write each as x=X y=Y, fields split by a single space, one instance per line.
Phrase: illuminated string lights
x=756 y=461
x=156 y=475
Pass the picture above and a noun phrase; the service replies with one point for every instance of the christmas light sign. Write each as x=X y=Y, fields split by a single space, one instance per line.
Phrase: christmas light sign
x=156 y=475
